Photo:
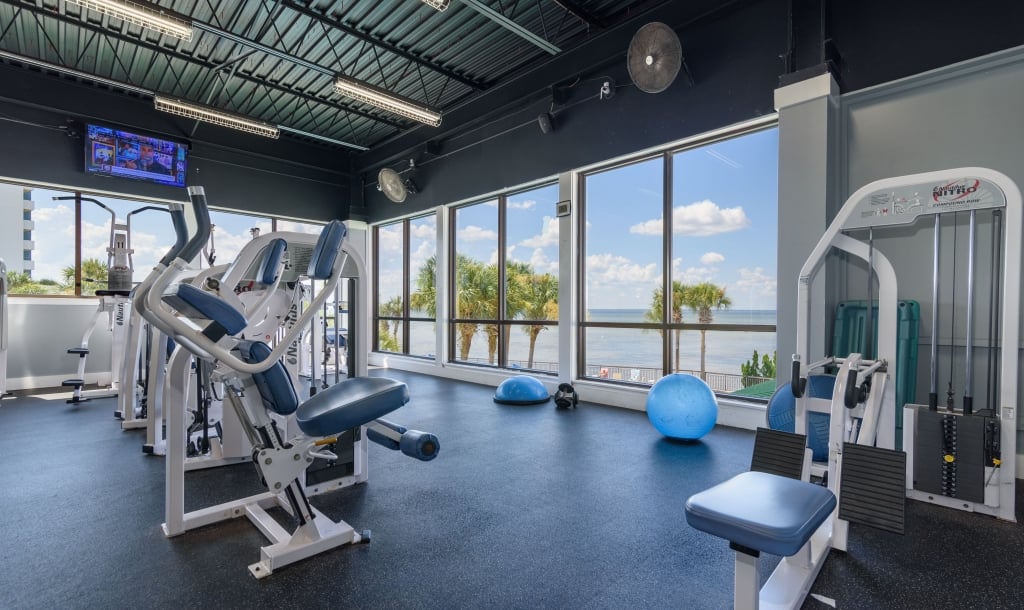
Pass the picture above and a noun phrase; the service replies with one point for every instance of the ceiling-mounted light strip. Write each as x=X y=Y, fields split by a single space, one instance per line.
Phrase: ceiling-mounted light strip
x=439 y=5
x=216 y=117
x=141 y=15
x=385 y=100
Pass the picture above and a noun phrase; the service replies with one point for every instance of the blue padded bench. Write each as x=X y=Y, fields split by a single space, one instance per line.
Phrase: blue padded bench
x=345 y=405
x=761 y=512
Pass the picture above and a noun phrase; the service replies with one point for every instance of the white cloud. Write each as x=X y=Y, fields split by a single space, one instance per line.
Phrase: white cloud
x=755 y=281
x=548 y=235
x=299 y=227
x=389 y=238
x=424 y=230
x=526 y=204
x=542 y=264
x=605 y=268
x=712 y=258
x=699 y=219
x=475 y=233
x=49 y=214
x=228 y=245
x=696 y=275
x=420 y=255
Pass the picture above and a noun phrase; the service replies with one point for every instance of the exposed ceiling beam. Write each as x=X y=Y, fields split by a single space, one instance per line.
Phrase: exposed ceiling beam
x=199 y=62
x=582 y=14
x=351 y=31
x=511 y=26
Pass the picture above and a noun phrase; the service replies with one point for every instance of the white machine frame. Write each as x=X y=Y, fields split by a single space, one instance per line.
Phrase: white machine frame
x=890 y=202
x=318 y=533
x=902 y=201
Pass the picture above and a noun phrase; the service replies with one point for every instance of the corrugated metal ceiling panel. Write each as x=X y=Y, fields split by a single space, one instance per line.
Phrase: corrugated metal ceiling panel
x=414 y=52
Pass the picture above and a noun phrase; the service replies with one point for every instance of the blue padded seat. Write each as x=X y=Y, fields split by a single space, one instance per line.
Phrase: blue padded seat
x=274 y=384
x=326 y=250
x=761 y=511
x=350 y=403
x=267 y=273
x=192 y=302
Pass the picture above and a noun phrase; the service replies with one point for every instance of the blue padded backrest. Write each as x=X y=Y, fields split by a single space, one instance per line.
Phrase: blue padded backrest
x=195 y=303
x=274 y=384
x=271 y=259
x=326 y=250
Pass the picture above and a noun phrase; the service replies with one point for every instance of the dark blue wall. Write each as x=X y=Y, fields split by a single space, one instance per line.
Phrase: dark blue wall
x=737 y=57
x=239 y=170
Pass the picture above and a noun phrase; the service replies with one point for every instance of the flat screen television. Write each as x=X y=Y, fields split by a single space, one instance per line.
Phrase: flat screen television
x=114 y=152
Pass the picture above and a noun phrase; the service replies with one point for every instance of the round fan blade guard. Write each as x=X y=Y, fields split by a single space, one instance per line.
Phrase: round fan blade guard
x=392 y=185
x=654 y=57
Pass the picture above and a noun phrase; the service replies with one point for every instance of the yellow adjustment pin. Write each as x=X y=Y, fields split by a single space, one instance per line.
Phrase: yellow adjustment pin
x=949 y=458
x=325 y=441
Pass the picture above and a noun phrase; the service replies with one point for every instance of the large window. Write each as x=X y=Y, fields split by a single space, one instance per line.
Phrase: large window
x=505 y=281
x=679 y=266
x=150 y=236
x=55 y=242
x=405 y=304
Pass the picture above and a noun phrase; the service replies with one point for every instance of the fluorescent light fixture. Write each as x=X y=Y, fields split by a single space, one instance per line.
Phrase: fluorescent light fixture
x=216 y=117
x=439 y=5
x=385 y=100
x=141 y=15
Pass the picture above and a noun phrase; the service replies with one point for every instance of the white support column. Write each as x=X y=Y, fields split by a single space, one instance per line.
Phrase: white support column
x=568 y=243
x=808 y=160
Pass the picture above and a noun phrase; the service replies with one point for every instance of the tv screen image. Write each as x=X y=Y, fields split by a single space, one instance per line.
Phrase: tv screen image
x=114 y=152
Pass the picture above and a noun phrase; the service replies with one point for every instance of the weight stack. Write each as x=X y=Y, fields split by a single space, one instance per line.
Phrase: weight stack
x=952 y=451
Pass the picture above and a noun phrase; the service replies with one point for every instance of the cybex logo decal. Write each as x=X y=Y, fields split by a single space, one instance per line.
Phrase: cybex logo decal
x=955 y=190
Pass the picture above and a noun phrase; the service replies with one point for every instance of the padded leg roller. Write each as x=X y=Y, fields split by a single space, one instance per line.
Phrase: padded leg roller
x=423 y=446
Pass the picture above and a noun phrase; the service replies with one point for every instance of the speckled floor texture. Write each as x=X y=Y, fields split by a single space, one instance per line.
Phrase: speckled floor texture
x=526 y=507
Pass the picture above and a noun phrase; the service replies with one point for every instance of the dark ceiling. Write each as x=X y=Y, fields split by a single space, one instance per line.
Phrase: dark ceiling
x=274 y=60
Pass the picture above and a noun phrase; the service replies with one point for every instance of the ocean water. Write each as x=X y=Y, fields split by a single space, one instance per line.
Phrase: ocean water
x=726 y=351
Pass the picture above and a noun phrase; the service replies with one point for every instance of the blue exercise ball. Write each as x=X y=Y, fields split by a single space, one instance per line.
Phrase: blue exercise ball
x=782 y=413
x=521 y=390
x=682 y=406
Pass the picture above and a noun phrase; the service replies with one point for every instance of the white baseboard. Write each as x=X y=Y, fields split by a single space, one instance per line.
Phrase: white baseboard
x=54 y=381
x=732 y=413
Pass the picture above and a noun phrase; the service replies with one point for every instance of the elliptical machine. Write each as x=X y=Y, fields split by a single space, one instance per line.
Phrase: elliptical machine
x=114 y=302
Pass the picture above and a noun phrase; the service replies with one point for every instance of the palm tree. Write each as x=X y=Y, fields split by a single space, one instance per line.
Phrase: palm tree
x=94 y=275
x=656 y=314
x=475 y=285
x=388 y=335
x=536 y=299
x=702 y=299
x=515 y=298
x=424 y=298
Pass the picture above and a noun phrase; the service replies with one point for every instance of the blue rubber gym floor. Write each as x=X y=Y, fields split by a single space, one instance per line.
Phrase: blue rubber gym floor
x=525 y=507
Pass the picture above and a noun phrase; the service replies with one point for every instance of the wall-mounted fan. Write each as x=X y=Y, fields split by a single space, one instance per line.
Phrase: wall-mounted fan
x=391 y=184
x=654 y=57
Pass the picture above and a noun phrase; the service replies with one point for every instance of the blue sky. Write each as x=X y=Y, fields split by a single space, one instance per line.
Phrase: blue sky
x=725 y=206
